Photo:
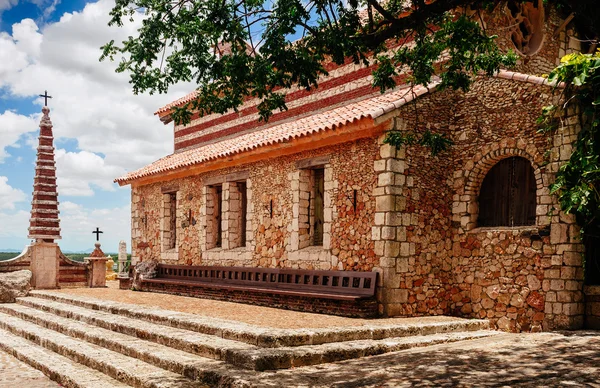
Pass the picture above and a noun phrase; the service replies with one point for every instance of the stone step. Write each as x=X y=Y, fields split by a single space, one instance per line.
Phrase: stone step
x=58 y=368
x=128 y=370
x=189 y=341
x=260 y=336
x=189 y=365
x=262 y=359
x=97 y=326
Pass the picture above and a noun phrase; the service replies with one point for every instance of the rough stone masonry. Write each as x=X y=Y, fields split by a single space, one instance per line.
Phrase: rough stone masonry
x=410 y=216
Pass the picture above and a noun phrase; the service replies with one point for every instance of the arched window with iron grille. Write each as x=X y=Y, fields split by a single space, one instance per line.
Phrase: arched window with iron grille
x=508 y=194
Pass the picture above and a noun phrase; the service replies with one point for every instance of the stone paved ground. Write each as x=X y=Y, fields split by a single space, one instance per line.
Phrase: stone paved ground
x=253 y=315
x=17 y=374
x=507 y=360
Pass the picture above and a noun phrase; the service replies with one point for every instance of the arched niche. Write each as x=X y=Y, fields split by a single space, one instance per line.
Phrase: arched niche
x=507 y=197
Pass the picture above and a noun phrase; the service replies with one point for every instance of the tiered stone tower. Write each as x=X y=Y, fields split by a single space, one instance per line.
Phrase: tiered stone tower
x=44 y=224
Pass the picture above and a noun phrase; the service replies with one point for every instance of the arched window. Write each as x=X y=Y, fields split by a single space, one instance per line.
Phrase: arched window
x=507 y=196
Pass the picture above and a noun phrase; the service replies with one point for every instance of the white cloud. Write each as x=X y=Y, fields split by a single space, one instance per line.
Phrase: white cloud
x=91 y=102
x=27 y=38
x=9 y=195
x=16 y=228
x=11 y=58
x=78 y=223
x=7 y=4
x=12 y=126
x=115 y=131
x=77 y=172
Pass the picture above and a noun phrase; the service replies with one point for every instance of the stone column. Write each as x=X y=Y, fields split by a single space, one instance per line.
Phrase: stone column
x=389 y=233
x=122 y=260
x=563 y=274
x=97 y=268
x=45 y=265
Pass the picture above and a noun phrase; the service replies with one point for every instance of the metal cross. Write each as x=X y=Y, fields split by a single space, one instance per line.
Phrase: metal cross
x=97 y=233
x=46 y=97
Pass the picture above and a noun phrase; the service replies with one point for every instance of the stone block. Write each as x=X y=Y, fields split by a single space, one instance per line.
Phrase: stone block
x=379 y=165
x=44 y=265
x=387 y=151
x=385 y=179
x=391 y=248
x=557 y=285
x=396 y=165
x=385 y=203
x=387 y=262
x=402 y=265
x=379 y=248
x=404 y=249
x=388 y=233
x=558 y=233
x=400 y=295
x=572 y=258
x=14 y=284
x=375 y=233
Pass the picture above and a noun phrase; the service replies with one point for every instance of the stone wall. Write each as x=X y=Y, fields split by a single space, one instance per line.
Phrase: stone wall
x=273 y=214
x=436 y=260
x=592 y=307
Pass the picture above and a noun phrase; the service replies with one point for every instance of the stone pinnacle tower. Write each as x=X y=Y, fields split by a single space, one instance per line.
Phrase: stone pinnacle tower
x=44 y=224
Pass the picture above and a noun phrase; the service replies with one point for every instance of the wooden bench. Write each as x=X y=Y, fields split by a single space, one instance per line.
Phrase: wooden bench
x=337 y=285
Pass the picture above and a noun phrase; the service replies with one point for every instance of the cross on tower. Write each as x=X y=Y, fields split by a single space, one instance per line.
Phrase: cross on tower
x=46 y=97
x=97 y=233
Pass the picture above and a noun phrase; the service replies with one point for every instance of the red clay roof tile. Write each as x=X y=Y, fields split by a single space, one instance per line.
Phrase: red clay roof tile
x=372 y=107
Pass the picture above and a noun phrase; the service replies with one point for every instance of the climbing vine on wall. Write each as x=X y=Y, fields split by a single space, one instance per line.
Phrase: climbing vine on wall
x=577 y=182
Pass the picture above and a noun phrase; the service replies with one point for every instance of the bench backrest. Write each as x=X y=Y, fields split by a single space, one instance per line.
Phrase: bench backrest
x=340 y=282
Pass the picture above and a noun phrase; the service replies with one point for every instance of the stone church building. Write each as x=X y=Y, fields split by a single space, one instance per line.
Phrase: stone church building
x=472 y=232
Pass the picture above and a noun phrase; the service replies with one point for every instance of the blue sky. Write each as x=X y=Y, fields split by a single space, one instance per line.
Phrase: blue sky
x=101 y=129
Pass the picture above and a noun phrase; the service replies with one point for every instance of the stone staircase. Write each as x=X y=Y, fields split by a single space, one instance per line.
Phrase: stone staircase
x=86 y=342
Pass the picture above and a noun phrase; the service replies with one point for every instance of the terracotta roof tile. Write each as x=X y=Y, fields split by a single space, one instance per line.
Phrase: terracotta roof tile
x=183 y=100
x=372 y=107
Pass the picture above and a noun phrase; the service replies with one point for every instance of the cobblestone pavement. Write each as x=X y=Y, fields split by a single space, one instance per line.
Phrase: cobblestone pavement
x=16 y=374
x=507 y=360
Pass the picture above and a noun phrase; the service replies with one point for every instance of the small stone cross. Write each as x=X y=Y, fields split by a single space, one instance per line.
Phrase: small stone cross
x=97 y=233
x=46 y=97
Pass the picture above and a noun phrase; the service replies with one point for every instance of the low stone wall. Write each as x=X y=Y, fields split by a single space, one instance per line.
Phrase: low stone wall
x=592 y=307
x=362 y=308
x=70 y=273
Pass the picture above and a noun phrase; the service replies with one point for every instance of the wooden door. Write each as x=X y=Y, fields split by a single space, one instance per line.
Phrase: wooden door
x=508 y=194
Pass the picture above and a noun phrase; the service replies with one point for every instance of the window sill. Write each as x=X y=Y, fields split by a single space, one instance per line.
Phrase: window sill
x=239 y=249
x=523 y=230
x=313 y=248
x=236 y=249
x=171 y=254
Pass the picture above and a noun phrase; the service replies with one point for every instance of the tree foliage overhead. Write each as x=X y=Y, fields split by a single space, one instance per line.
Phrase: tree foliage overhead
x=234 y=49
